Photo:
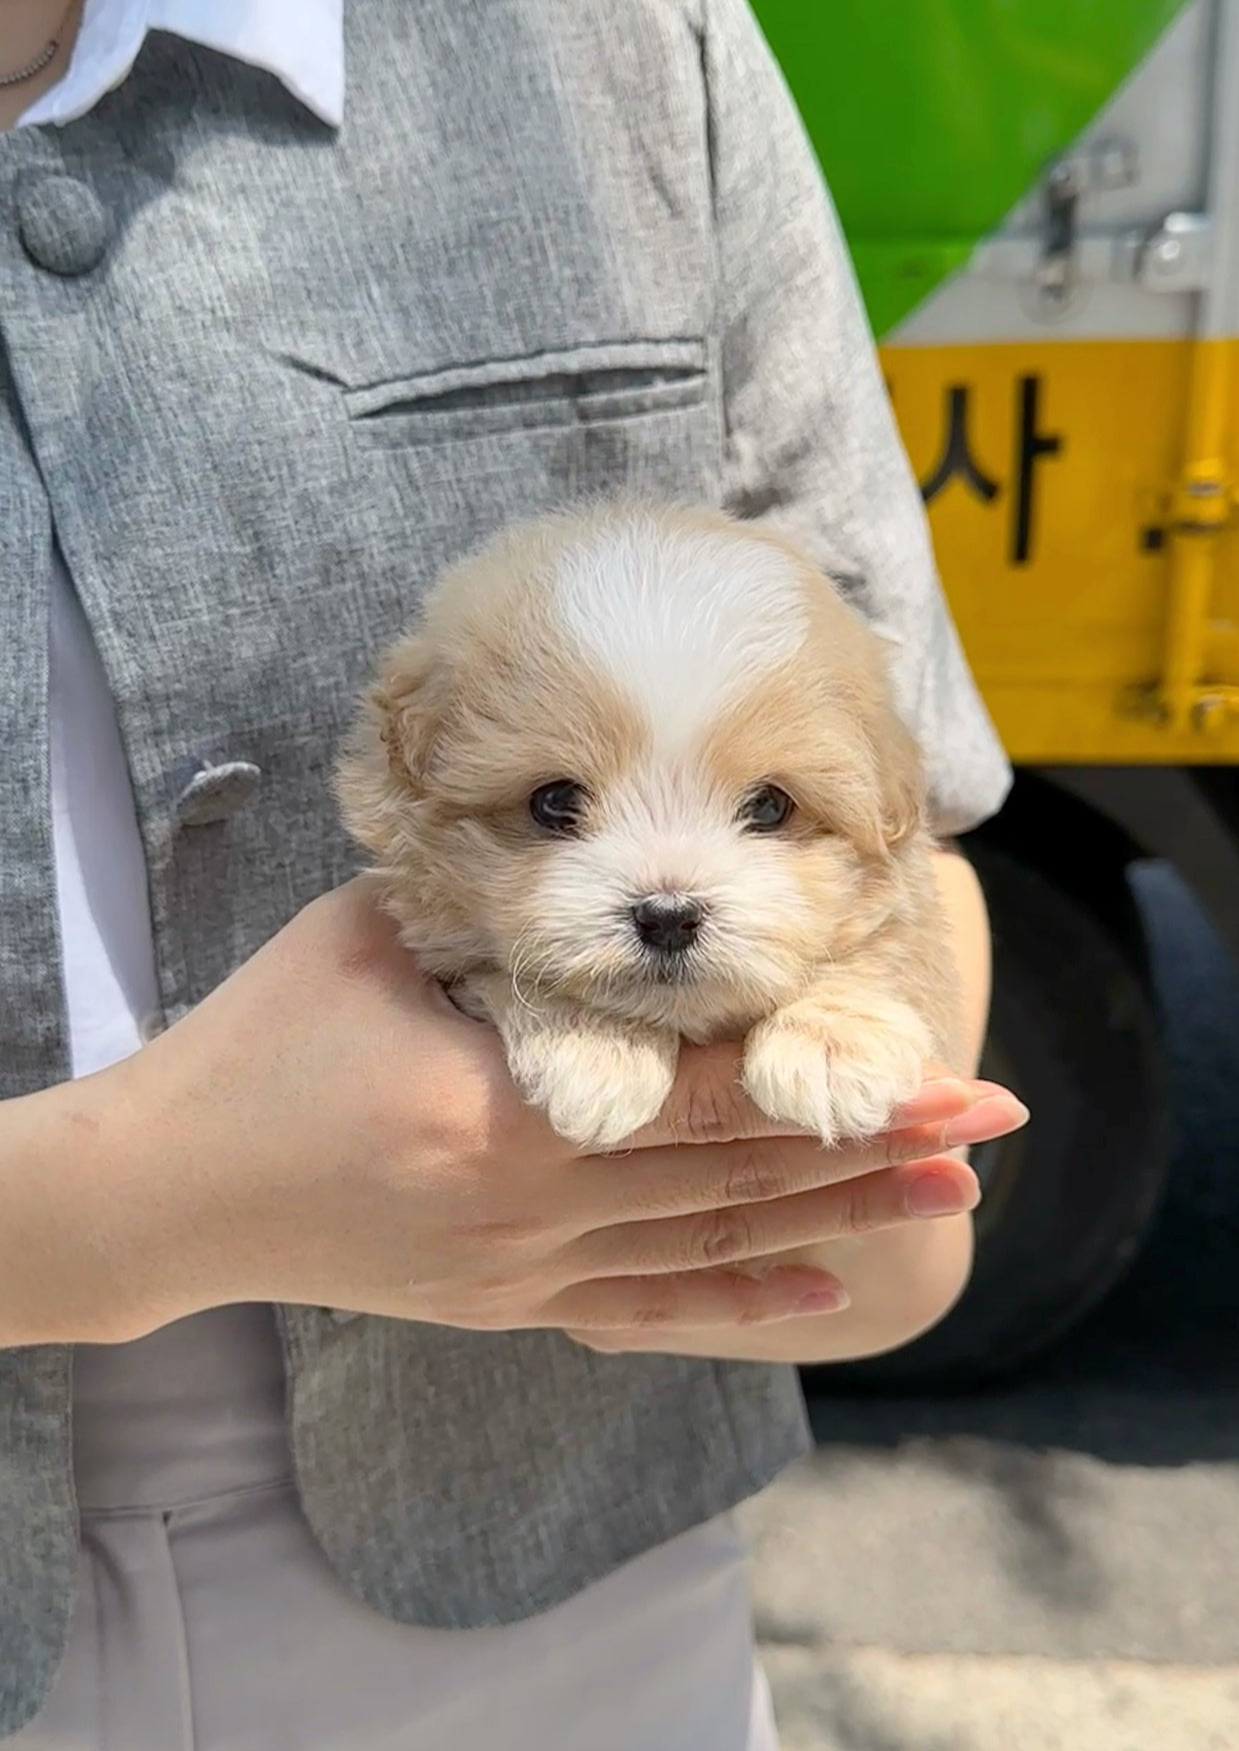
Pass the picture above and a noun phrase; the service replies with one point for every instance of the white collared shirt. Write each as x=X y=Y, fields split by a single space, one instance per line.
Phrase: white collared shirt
x=300 y=41
x=693 y=1654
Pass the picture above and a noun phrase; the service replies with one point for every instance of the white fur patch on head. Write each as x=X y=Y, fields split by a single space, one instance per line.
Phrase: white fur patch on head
x=680 y=617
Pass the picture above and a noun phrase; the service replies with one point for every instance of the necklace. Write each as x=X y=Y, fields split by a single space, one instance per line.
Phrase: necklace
x=44 y=58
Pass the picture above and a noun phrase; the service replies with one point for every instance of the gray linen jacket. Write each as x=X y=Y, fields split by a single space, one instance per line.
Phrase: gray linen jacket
x=259 y=381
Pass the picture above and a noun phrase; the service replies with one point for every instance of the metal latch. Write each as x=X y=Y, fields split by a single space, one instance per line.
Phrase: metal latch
x=1066 y=258
x=1055 y=272
x=1061 y=255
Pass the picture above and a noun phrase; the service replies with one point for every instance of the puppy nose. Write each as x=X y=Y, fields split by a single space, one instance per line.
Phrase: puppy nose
x=668 y=922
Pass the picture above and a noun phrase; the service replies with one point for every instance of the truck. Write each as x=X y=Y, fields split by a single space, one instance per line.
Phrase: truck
x=1041 y=201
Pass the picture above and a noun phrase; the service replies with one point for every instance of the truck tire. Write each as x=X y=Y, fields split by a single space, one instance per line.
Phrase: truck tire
x=1067 y=1201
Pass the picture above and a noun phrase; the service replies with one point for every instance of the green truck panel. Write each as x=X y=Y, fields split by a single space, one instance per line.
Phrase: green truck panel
x=932 y=118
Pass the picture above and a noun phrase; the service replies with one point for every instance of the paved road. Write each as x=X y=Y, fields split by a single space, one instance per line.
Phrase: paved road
x=1054 y=1564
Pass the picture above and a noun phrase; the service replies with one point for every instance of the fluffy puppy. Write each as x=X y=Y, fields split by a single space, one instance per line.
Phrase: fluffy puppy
x=635 y=777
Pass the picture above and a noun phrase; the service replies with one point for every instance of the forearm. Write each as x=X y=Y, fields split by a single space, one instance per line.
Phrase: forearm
x=87 y=1236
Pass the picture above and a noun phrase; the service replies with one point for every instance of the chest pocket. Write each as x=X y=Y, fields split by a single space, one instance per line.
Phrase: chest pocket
x=509 y=437
x=592 y=385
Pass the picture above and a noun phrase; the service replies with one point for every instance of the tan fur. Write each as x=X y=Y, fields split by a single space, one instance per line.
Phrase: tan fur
x=826 y=949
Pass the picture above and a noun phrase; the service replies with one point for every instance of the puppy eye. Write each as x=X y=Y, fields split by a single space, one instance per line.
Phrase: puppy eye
x=766 y=809
x=558 y=807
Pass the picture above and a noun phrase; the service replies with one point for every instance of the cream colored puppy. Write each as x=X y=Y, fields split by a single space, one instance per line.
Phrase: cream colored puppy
x=635 y=777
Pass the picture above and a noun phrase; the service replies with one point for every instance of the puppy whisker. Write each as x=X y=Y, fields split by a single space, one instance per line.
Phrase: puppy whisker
x=525 y=963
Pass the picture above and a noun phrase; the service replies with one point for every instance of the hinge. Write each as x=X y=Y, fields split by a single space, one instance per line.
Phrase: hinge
x=1176 y=256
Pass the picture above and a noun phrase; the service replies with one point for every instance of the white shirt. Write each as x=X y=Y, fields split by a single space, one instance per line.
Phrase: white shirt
x=300 y=41
x=108 y=956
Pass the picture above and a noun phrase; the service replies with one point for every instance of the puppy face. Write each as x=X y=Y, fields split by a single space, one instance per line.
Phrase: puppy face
x=641 y=759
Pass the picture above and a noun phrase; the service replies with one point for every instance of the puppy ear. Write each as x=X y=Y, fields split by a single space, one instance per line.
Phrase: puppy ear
x=901 y=779
x=899 y=791
x=884 y=803
x=405 y=708
x=384 y=762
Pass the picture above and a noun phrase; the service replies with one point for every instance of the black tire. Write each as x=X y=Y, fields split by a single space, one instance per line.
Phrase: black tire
x=1067 y=1201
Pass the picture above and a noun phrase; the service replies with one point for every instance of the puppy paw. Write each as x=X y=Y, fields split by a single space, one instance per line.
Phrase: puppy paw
x=596 y=1087
x=838 y=1076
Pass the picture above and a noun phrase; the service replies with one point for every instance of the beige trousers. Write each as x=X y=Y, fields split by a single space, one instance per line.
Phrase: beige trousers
x=207 y=1619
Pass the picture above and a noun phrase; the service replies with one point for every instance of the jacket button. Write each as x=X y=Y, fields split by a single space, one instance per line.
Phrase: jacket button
x=215 y=792
x=62 y=225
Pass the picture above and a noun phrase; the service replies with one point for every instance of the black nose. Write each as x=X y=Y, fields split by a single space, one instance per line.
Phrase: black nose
x=668 y=922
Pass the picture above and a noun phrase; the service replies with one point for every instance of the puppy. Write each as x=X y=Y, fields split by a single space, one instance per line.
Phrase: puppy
x=635 y=777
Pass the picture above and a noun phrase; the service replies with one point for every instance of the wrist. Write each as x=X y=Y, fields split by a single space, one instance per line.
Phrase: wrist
x=84 y=1240
x=171 y=1164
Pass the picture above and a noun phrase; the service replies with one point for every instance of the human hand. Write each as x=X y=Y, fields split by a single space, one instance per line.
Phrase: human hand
x=876 y=1219
x=330 y=1131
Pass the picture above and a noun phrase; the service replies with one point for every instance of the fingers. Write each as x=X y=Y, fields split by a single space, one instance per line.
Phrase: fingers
x=656 y=1183
x=709 y=1105
x=943 y=1097
x=695 y=1298
x=738 y=1234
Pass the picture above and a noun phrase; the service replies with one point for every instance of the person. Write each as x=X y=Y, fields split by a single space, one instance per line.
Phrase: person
x=296 y=302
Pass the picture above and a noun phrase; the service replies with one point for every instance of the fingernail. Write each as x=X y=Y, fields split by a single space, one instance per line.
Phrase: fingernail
x=935 y=1194
x=933 y=1100
x=994 y=1117
x=825 y=1300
